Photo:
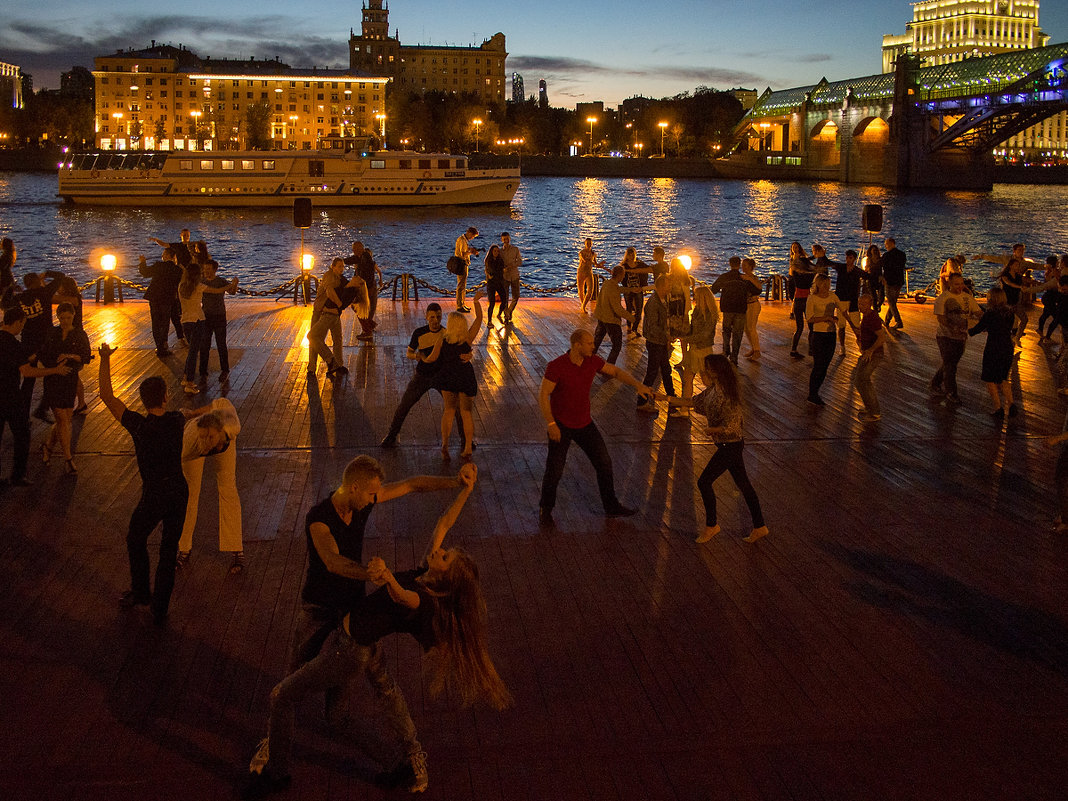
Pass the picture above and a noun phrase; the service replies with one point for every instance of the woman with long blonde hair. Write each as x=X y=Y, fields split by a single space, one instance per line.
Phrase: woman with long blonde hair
x=440 y=604
x=455 y=379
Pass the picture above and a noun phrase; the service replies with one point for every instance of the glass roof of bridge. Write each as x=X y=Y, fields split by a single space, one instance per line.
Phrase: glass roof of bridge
x=971 y=76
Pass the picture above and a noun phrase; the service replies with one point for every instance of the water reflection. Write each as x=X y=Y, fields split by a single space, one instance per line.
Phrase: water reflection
x=548 y=219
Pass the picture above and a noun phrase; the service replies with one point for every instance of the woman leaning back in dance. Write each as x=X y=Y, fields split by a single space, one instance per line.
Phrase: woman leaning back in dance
x=721 y=404
x=441 y=605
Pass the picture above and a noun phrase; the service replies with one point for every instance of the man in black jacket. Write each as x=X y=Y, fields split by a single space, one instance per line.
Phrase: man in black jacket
x=734 y=291
x=162 y=294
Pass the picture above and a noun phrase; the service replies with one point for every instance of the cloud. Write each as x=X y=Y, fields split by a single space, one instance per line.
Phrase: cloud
x=47 y=51
x=575 y=67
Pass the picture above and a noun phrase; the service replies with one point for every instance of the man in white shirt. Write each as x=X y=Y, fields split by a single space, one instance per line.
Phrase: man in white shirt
x=464 y=252
x=513 y=260
x=953 y=308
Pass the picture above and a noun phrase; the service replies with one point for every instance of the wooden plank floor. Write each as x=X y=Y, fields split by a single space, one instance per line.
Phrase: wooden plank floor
x=901 y=634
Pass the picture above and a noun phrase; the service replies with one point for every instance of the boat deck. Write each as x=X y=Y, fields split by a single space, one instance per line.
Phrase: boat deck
x=902 y=633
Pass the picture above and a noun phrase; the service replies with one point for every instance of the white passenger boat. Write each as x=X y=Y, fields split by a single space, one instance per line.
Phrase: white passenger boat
x=339 y=173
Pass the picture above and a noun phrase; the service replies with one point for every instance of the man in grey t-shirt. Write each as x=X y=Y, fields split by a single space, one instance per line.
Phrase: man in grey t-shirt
x=953 y=308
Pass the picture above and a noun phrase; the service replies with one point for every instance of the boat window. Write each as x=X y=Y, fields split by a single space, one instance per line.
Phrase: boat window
x=315 y=168
x=443 y=164
x=227 y=164
x=207 y=164
x=268 y=165
x=424 y=164
x=377 y=164
x=405 y=164
x=185 y=164
x=84 y=162
x=248 y=164
x=131 y=162
x=115 y=162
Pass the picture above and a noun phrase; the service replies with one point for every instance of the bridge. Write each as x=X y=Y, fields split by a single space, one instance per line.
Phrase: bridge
x=916 y=127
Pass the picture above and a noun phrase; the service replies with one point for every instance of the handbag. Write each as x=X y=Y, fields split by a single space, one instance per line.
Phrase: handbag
x=456 y=265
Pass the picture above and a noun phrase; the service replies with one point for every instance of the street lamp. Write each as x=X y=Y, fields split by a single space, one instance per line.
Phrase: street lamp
x=663 y=130
x=196 y=127
x=639 y=145
x=117 y=116
x=382 y=122
x=764 y=135
x=591 y=121
x=478 y=124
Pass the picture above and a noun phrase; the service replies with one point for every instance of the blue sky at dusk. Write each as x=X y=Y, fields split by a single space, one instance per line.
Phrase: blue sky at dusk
x=585 y=50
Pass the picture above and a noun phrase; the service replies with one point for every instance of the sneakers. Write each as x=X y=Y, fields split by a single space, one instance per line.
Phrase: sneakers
x=707 y=534
x=758 y=534
x=339 y=370
x=183 y=558
x=619 y=510
x=259 y=759
x=421 y=778
x=130 y=599
x=238 y=565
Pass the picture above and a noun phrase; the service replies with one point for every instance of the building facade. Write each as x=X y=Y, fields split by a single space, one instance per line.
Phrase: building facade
x=945 y=31
x=427 y=68
x=519 y=94
x=166 y=98
x=11 y=85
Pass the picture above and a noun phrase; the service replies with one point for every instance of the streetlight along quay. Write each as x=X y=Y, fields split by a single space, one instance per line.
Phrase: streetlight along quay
x=478 y=124
x=591 y=121
x=663 y=129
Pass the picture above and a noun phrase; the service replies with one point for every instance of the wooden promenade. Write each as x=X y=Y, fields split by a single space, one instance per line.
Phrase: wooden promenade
x=902 y=634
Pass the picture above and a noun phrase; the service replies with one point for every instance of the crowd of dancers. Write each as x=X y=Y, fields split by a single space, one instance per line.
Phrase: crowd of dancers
x=440 y=604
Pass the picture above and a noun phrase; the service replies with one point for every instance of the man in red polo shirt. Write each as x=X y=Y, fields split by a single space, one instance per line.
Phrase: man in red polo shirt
x=565 y=404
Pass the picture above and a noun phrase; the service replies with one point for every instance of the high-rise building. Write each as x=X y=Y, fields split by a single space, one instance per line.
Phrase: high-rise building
x=427 y=68
x=518 y=95
x=543 y=94
x=944 y=31
x=166 y=98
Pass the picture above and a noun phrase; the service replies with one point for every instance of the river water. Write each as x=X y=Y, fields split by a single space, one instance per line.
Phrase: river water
x=549 y=218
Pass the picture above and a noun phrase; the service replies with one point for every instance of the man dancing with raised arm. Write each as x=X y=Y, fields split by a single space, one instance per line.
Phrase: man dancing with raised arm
x=564 y=401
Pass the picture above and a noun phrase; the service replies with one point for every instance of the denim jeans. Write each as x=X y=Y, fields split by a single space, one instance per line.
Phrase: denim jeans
x=513 y=291
x=416 y=389
x=892 y=294
x=800 y=304
x=952 y=350
x=340 y=661
x=592 y=443
x=733 y=327
x=822 y=352
x=194 y=334
x=326 y=322
x=728 y=458
x=862 y=381
x=214 y=326
x=160 y=503
x=614 y=331
x=659 y=368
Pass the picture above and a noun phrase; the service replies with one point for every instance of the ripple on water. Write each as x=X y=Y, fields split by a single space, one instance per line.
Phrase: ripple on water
x=548 y=219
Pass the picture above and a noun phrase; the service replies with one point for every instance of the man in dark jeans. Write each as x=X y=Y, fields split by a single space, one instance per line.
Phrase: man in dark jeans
x=734 y=290
x=215 y=320
x=162 y=293
x=893 y=263
x=657 y=343
x=564 y=400
x=422 y=343
x=157 y=438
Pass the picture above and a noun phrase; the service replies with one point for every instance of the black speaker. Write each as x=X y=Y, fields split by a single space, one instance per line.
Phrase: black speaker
x=302 y=212
x=871 y=218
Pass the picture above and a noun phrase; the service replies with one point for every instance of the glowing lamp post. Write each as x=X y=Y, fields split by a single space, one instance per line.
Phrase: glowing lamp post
x=304 y=282
x=687 y=262
x=107 y=280
x=478 y=125
x=639 y=145
x=196 y=127
x=592 y=121
x=663 y=129
x=382 y=128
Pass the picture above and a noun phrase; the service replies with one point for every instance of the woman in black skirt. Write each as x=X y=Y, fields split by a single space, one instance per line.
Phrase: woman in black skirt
x=455 y=378
x=68 y=345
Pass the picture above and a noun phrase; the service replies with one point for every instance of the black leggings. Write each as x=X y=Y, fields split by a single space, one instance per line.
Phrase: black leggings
x=800 y=304
x=728 y=457
x=822 y=353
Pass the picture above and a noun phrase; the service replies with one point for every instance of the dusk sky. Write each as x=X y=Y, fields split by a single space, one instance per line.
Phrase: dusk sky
x=585 y=50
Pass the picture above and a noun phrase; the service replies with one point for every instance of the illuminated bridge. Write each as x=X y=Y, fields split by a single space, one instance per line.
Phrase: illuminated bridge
x=916 y=127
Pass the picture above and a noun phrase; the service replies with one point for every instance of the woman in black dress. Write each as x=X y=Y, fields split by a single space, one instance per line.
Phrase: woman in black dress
x=455 y=378
x=68 y=345
x=997 y=321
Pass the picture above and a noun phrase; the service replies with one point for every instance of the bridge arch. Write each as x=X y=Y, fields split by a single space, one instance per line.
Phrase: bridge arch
x=825 y=130
x=872 y=128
